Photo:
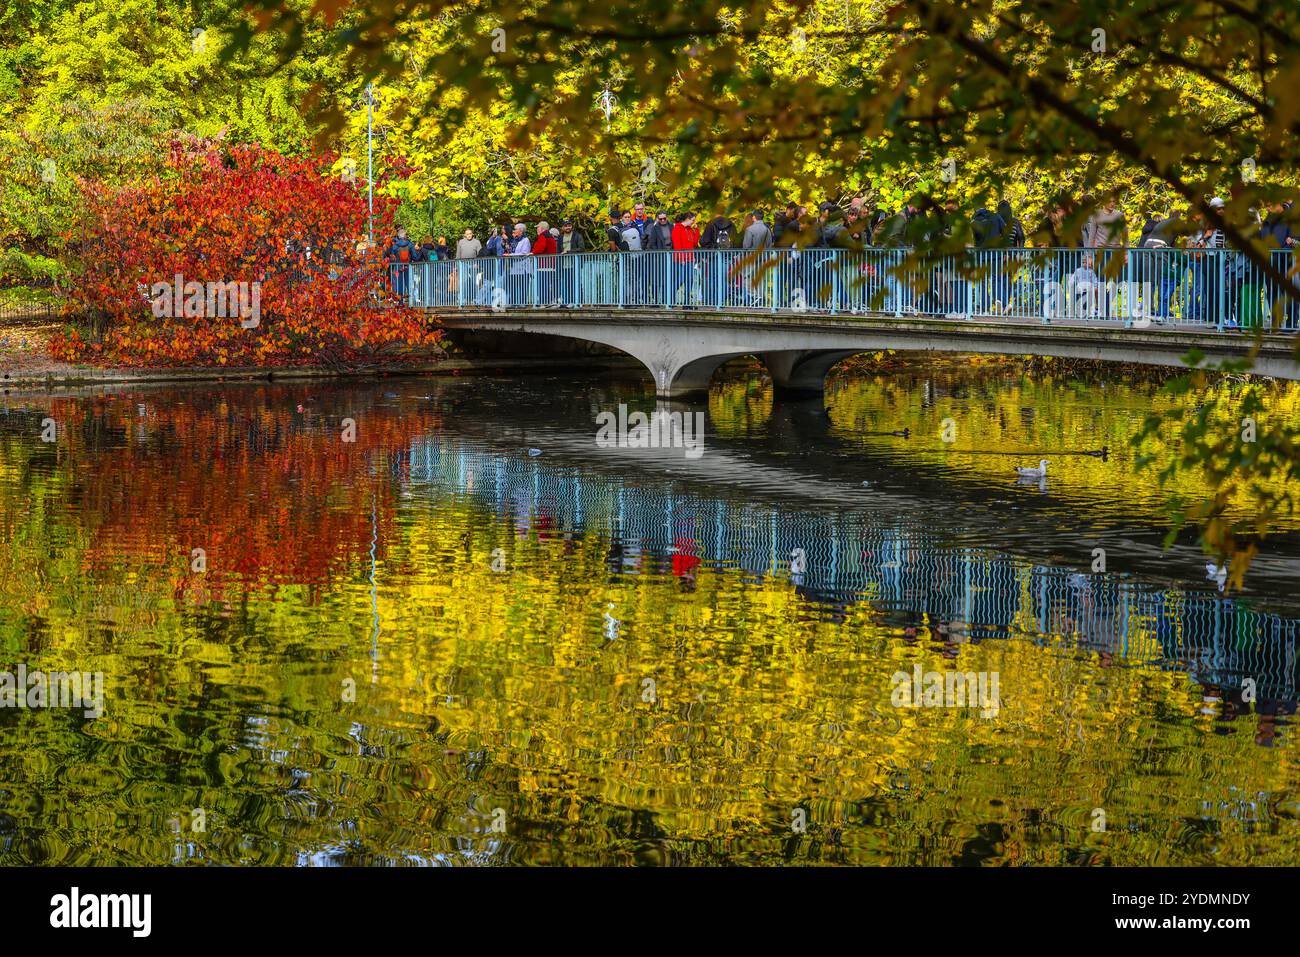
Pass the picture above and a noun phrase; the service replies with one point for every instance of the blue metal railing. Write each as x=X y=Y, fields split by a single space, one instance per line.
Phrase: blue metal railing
x=1216 y=288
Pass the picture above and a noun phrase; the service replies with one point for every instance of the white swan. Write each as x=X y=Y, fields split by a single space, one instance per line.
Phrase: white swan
x=1040 y=472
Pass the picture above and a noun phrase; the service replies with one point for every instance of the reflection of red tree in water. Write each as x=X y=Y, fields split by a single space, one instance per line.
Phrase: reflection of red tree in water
x=271 y=495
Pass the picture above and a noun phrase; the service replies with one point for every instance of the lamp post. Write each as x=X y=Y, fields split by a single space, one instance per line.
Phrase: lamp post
x=370 y=157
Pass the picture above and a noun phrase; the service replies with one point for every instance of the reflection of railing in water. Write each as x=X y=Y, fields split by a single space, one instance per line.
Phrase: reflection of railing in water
x=907 y=573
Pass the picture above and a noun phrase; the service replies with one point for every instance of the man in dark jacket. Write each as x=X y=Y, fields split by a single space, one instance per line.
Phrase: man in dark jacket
x=833 y=236
x=659 y=234
x=658 y=239
x=1155 y=220
x=788 y=219
x=1279 y=233
x=1013 y=237
x=987 y=228
x=570 y=243
x=614 y=233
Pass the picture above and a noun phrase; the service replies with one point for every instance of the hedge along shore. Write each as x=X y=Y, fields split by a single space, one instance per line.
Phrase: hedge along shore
x=71 y=376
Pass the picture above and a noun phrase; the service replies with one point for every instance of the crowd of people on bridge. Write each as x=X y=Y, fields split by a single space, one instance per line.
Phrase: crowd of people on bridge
x=1207 y=282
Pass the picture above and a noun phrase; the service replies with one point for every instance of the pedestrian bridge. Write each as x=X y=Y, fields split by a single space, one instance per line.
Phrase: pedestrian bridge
x=682 y=315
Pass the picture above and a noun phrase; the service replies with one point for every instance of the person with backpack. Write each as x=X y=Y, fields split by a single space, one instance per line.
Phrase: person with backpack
x=718 y=233
x=717 y=236
x=614 y=233
x=400 y=254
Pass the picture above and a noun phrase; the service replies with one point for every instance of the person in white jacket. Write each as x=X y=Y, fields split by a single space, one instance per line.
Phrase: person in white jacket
x=521 y=269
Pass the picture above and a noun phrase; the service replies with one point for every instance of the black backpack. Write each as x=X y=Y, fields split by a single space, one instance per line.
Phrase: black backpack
x=722 y=239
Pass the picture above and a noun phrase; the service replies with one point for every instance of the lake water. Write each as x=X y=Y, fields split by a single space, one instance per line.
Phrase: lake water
x=408 y=640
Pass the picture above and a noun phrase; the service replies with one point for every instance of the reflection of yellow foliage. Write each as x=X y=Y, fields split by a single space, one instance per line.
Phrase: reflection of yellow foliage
x=1032 y=417
x=526 y=690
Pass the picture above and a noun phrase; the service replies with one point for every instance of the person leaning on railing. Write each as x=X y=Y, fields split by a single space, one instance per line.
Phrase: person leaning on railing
x=1206 y=244
x=399 y=255
x=1242 y=294
x=569 y=243
x=1106 y=230
x=718 y=235
x=544 y=248
x=521 y=267
x=659 y=240
x=686 y=239
x=633 y=266
x=1279 y=231
x=893 y=233
x=755 y=238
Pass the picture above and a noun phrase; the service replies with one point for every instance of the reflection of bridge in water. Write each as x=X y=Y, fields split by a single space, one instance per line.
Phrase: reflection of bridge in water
x=836 y=558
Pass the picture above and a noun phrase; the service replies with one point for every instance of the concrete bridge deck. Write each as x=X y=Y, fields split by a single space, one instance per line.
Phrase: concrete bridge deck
x=681 y=348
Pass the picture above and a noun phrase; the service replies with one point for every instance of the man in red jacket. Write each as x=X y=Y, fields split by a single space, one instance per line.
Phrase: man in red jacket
x=686 y=238
x=545 y=247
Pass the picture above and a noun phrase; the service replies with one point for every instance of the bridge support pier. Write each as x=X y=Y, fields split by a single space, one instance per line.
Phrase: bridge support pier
x=801 y=372
x=679 y=381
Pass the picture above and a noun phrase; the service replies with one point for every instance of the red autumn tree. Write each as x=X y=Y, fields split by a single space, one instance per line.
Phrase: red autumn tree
x=283 y=231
